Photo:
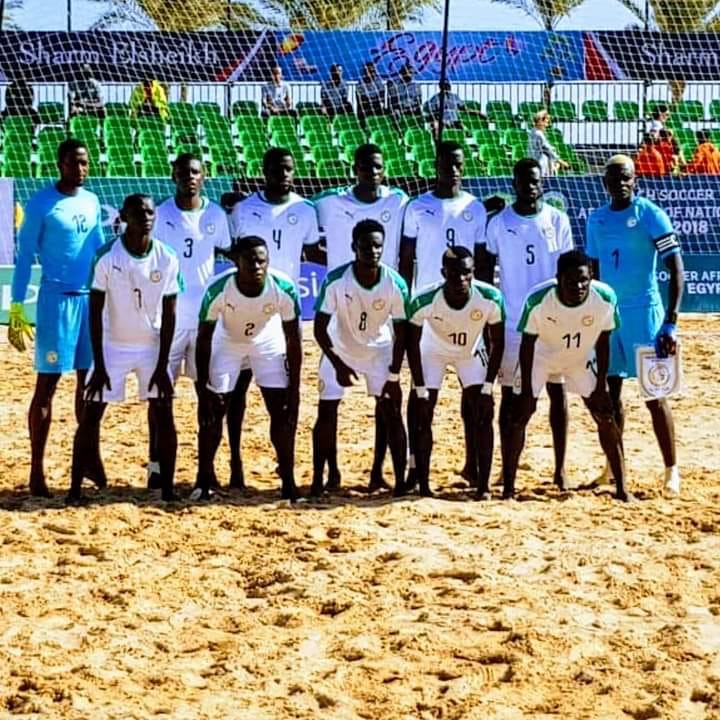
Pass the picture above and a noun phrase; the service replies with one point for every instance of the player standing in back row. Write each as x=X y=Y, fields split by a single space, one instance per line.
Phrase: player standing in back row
x=62 y=227
x=339 y=210
x=195 y=228
x=288 y=224
x=444 y=217
x=526 y=239
x=625 y=238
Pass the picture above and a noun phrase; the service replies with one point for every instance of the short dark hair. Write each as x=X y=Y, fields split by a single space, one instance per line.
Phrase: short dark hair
x=69 y=146
x=703 y=136
x=456 y=252
x=525 y=165
x=243 y=244
x=446 y=147
x=186 y=157
x=134 y=199
x=275 y=155
x=365 y=151
x=658 y=110
x=365 y=227
x=571 y=260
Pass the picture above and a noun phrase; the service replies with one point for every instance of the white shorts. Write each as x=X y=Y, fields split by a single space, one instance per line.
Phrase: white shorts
x=470 y=369
x=375 y=367
x=266 y=360
x=580 y=379
x=182 y=354
x=122 y=361
x=510 y=365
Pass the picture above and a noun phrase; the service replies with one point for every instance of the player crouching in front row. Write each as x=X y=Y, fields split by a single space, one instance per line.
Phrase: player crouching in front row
x=566 y=325
x=360 y=323
x=135 y=282
x=251 y=302
x=447 y=321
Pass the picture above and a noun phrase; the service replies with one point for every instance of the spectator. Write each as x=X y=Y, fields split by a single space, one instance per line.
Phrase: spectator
x=276 y=98
x=404 y=94
x=86 y=95
x=334 y=94
x=649 y=161
x=669 y=149
x=149 y=98
x=19 y=101
x=706 y=160
x=541 y=149
x=370 y=92
x=659 y=117
x=451 y=111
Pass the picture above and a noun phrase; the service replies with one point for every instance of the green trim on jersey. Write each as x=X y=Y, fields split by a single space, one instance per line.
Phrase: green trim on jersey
x=330 y=192
x=401 y=285
x=100 y=253
x=423 y=300
x=531 y=303
x=609 y=296
x=490 y=292
x=289 y=289
x=397 y=191
x=211 y=294
x=330 y=278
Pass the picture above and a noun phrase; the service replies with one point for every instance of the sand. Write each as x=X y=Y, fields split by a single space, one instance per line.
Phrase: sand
x=552 y=606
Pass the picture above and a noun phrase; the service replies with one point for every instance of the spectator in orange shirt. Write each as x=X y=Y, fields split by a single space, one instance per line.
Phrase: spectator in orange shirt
x=669 y=149
x=706 y=160
x=649 y=162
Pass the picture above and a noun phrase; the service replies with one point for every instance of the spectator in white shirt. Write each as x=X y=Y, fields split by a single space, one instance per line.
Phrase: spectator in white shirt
x=451 y=110
x=334 y=94
x=660 y=115
x=276 y=98
x=541 y=149
x=370 y=92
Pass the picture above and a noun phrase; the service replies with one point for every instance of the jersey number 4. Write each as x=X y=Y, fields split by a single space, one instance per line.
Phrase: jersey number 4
x=276 y=237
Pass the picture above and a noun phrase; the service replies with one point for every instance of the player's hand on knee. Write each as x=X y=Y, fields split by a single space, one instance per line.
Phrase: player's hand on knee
x=666 y=340
x=391 y=391
x=599 y=403
x=19 y=327
x=345 y=375
x=99 y=381
x=161 y=380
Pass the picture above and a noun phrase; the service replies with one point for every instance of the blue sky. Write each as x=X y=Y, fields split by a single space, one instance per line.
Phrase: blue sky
x=464 y=15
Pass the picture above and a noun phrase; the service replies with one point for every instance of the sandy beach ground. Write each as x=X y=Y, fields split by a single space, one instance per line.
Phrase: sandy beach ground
x=552 y=606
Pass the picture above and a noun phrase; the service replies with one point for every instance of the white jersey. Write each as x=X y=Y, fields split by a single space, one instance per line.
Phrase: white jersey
x=527 y=249
x=134 y=289
x=339 y=210
x=285 y=227
x=567 y=335
x=362 y=317
x=435 y=224
x=193 y=235
x=457 y=331
x=249 y=320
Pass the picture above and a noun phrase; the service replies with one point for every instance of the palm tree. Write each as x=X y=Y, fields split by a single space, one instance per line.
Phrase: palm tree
x=547 y=13
x=677 y=16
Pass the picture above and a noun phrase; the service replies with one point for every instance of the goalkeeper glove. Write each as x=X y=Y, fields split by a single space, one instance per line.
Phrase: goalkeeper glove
x=667 y=331
x=19 y=327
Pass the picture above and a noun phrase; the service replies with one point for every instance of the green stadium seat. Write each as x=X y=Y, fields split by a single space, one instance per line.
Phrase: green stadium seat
x=472 y=106
x=150 y=122
x=314 y=123
x=117 y=109
x=472 y=122
x=714 y=109
x=120 y=152
x=454 y=135
x=499 y=110
x=626 y=110
x=254 y=169
x=501 y=123
x=689 y=111
x=281 y=122
x=218 y=135
x=182 y=113
x=650 y=106
x=528 y=108
x=385 y=137
x=554 y=136
x=474 y=168
x=245 y=107
x=345 y=122
x=426 y=168
x=413 y=136
x=499 y=168
x=684 y=136
x=249 y=137
x=20 y=126
x=400 y=168
x=48 y=140
x=155 y=167
x=486 y=136
x=250 y=123
x=82 y=126
x=423 y=151
x=51 y=113
x=319 y=137
x=515 y=136
x=206 y=109
x=254 y=151
x=595 y=110
x=118 y=127
x=407 y=122
x=323 y=152
x=16 y=168
x=332 y=169
x=305 y=107
x=489 y=153
x=152 y=137
x=380 y=123
x=562 y=111
x=518 y=151
x=183 y=134
x=46 y=170
x=192 y=148
x=303 y=169
x=121 y=167
x=715 y=136
x=351 y=138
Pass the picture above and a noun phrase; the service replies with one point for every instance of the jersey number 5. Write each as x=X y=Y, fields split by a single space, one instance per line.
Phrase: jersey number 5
x=530 y=255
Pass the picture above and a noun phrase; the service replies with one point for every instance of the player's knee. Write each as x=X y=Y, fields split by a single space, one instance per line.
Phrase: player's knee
x=390 y=409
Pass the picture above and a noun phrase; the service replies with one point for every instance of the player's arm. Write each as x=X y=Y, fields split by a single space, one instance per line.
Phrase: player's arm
x=668 y=247
x=413 y=337
x=484 y=264
x=291 y=329
x=496 y=337
x=203 y=348
x=344 y=373
x=526 y=402
x=161 y=377
x=315 y=253
x=407 y=259
x=99 y=379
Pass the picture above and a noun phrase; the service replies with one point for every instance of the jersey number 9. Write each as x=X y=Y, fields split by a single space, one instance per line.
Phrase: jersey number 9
x=450 y=237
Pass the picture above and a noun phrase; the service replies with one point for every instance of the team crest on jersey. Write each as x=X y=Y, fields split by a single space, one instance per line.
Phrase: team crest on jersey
x=632 y=222
x=476 y=315
x=467 y=216
x=155 y=276
x=269 y=308
x=588 y=320
x=378 y=305
x=210 y=229
x=51 y=357
x=385 y=216
x=292 y=219
x=659 y=375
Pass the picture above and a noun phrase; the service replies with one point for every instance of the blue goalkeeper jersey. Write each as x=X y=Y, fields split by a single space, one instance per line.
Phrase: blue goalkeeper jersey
x=64 y=231
x=626 y=244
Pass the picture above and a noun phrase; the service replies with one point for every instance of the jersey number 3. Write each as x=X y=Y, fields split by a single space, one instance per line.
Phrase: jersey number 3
x=187 y=252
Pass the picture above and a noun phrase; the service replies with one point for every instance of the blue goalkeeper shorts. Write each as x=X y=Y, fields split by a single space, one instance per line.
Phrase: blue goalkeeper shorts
x=62 y=332
x=638 y=326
